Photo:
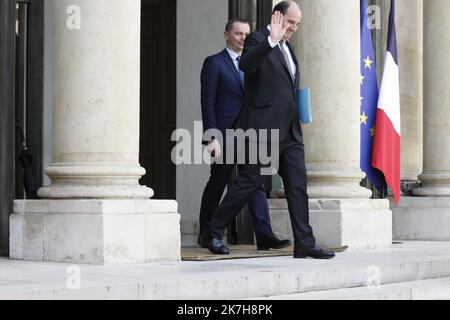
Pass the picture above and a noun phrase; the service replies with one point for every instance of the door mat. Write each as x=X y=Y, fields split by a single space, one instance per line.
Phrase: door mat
x=238 y=252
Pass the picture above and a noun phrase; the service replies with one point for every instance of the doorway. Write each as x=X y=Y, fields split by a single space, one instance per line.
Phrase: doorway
x=21 y=71
x=158 y=96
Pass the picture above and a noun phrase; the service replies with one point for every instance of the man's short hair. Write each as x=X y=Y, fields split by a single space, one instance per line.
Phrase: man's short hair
x=283 y=6
x=230 y=23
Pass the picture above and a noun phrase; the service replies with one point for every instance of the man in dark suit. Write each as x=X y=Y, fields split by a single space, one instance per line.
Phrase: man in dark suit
x=271 y=81
x=222 y=97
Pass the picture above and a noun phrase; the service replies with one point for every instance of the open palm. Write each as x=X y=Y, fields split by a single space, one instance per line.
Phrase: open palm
x=277 y=31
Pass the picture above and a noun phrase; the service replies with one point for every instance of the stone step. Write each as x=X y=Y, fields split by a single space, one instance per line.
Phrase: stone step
x=434 y=289
x=227 y=279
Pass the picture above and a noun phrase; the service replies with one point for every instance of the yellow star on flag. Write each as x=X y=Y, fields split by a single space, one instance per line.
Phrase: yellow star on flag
x=364 y=118
x=372 y=132
x=362 y=79
x=368 y=63
x=362 y=98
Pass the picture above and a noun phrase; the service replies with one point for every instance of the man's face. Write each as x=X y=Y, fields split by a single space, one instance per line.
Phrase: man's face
x=236 y=37
x=291 y=21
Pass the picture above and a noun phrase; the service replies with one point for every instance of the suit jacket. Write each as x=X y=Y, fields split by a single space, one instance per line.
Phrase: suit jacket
x=222 y=92
x=270 y=92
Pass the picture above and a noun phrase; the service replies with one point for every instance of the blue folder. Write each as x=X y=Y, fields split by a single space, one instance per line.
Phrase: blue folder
x=304 y=106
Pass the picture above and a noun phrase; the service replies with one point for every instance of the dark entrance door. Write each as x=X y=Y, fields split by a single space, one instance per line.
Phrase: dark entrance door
x=158 y=95
x=21 y=56
x=6 y=120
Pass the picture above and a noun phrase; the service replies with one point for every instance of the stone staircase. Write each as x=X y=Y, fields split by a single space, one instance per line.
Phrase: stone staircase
x=408 y=270
x=414 y=276
x=433 y=289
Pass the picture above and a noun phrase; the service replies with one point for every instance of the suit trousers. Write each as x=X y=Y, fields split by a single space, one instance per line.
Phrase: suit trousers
x=257 y=203
x=292 y=169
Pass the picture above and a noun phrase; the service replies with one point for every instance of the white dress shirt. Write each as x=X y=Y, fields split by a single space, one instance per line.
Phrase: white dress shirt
x=234 y=56
x=286 y=49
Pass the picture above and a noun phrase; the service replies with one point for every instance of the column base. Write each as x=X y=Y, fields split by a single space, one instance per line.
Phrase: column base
x=95 y=181
x=357 y=223
x=432 y=191
x=433 y=185
x=333 y=192
x=96 y=192
x=95 y=231
x=422 y=218
x=335 y=184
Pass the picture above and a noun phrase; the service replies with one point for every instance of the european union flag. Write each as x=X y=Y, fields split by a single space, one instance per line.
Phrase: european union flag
x=369 y=100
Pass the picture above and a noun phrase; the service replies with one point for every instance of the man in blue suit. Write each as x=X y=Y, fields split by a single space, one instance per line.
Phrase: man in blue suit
x=222 y=98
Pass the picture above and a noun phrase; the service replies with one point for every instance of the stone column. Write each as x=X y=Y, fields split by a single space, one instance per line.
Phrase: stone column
x=328 y=47
x=95 y=210
x=341 y=213
x=436 y=175
x=428 y=217
x=410 y=52
x=96 y=101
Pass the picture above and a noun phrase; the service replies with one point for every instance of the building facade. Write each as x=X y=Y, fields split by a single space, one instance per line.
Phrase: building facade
x=99 y=86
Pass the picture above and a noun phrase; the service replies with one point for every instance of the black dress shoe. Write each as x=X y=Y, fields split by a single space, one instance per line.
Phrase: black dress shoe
x=314 y=252
x=217 y=246
x=271 y=242
x=203 y=240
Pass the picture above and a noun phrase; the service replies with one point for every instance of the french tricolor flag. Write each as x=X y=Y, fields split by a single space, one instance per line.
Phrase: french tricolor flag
x=386 y=147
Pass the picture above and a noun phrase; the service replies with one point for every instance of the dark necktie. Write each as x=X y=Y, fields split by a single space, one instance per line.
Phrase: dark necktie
x=241 y=74
x=286 y=58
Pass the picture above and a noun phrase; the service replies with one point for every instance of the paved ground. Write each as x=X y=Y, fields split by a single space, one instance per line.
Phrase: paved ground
x=228 y=279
